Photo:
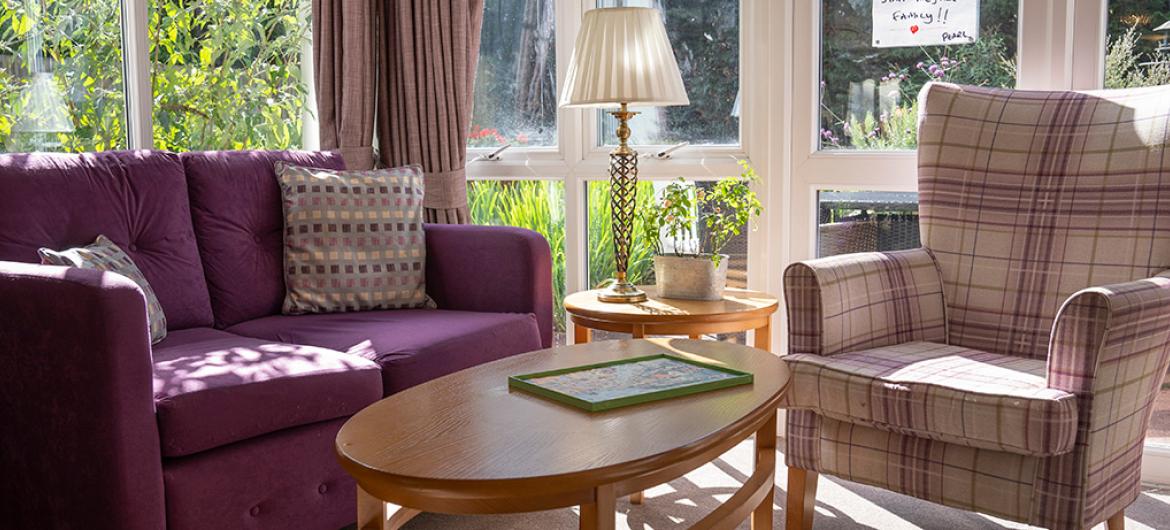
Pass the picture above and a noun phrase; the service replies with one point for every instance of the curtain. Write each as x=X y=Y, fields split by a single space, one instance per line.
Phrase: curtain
x=427 y=54
x=344 y=61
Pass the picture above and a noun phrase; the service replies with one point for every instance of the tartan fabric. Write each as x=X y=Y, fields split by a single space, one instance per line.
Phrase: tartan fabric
x=968 y=478
x=104 y=255
x=1027 y=197
x=858 y=301
x=353 y=239
x=1111 y=347
x=948 y=393
x=1027 y=200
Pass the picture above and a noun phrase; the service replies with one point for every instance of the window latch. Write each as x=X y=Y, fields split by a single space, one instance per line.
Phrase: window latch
x=666 y=153
x=493 y=156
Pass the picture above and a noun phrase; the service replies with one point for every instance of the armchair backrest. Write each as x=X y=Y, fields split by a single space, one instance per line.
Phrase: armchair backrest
x=1027 y=197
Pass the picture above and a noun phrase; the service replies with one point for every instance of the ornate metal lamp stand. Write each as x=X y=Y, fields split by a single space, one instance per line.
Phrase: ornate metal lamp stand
x=623 y=190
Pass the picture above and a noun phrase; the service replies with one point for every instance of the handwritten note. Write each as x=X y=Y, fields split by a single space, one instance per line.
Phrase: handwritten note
x=924 y=22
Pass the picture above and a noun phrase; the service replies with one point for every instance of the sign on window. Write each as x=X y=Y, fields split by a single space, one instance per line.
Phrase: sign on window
x=924 y=22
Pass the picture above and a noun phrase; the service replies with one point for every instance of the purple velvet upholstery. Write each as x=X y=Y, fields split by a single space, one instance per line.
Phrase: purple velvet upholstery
x=136 y=198
x=239 y=219
x=491 y=268
x=80 y=443
x=412 y=345
x=285 y=480
x=214 y=388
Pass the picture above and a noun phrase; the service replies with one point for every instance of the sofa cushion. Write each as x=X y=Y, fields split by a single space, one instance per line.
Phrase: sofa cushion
x=353 y=240
x=948 y=393
x=412 y=345
x=104 y=255
x=212 y=388
x=236 y=205
x=136 y=198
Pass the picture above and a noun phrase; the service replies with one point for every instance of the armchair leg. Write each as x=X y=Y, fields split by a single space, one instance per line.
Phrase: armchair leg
x=802 y=497
x=1117 y=522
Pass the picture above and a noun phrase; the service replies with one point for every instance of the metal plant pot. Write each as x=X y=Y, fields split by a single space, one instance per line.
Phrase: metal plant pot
x=690 y=276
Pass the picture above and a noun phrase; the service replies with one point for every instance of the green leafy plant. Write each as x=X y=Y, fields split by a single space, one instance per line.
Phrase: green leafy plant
x=1126 y=66
x=723 y=210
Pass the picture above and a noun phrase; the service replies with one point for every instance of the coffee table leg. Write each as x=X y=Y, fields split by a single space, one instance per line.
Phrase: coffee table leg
x=375 y=514
x=600 y=514
x=765 y=444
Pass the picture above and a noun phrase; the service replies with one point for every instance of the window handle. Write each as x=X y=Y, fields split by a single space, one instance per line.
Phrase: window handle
x=666 y=153
x=493 y=156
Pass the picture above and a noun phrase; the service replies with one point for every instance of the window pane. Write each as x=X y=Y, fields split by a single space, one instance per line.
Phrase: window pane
x=227 y=75
x=705 y=38
x=533 y=204
x=515 y=82
x=866 y=221
x=61 y=76
x=1137 y=47
x=869 y=95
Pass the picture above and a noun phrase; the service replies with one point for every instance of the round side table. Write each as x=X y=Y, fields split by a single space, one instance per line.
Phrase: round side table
x=739 y=310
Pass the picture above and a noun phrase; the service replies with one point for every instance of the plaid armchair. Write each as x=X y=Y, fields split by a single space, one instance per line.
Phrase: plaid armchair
x=1010 y=365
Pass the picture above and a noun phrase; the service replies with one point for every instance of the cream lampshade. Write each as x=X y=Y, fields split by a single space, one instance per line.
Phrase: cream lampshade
x=623 y=57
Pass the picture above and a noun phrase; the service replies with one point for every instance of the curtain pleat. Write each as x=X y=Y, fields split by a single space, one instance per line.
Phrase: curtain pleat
x=345 y=68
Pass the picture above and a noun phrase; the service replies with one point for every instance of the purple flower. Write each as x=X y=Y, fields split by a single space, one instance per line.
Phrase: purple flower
x=919 y=65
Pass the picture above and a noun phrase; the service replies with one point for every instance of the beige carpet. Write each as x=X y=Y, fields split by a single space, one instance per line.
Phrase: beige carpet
x=840 y=505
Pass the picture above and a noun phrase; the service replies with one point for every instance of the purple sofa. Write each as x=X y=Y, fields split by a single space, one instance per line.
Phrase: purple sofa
x=229 y=422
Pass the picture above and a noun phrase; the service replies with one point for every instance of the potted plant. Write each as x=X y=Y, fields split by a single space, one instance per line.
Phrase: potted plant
x=688 y=229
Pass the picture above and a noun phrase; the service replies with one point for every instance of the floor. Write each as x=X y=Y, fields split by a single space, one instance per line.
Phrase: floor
x=840 y=505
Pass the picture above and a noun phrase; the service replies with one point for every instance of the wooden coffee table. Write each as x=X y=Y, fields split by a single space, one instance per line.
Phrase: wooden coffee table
x=466 y=444
x=739 y=310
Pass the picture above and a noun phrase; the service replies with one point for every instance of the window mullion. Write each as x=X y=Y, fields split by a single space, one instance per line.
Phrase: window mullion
x=136 y=73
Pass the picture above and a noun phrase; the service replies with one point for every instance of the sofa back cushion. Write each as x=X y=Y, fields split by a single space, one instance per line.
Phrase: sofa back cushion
x=138 y=199
x=239 y=220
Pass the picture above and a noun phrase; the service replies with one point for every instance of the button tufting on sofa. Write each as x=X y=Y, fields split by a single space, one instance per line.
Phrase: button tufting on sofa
x=255 y=511
x=322 y=489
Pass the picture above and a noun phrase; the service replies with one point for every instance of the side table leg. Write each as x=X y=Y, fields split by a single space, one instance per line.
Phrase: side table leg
x=375 y=514
x=600 y=514
x=638 y=332
x=581 y=334
x=763 y=339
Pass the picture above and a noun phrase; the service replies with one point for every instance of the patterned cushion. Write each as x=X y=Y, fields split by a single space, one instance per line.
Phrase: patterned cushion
x=104 y=255
x=940 y=392
x=353 y=240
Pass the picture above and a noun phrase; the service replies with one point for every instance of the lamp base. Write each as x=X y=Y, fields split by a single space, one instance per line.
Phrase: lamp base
x=621 y=292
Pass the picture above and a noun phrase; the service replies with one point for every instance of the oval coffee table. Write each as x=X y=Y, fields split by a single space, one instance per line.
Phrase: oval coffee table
x=466 y=444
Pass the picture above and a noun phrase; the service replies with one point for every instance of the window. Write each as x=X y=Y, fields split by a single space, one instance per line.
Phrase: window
x=515 y=81
x=61 y=76
x=533 y=204
x=1137 y=52
x=705 y=38
x=227 y=75
x=866 y=221
x=868 y=95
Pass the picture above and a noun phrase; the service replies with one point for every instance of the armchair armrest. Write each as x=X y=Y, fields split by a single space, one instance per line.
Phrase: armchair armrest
x=497 y=269
x=866 y=300
x=80 y=445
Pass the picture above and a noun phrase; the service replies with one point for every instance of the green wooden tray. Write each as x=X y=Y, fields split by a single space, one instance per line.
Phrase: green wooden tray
x=621 y=396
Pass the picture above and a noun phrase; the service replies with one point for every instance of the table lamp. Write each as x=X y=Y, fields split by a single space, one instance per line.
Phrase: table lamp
x=623 y=57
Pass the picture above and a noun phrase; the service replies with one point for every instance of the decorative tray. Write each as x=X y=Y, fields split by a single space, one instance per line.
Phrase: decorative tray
x=613 y=384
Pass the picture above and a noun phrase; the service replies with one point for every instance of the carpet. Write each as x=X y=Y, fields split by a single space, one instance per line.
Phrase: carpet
x=840 y=505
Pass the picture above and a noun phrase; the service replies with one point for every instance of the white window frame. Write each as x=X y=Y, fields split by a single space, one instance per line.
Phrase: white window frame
x=577 y=159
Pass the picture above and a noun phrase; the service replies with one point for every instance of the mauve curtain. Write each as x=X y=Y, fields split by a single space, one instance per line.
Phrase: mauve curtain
x=345 y=66
x=427 y=53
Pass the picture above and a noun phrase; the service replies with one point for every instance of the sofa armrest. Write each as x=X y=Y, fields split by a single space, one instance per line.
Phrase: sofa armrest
x=867 y=300
x=80 y=447
x=495 y=269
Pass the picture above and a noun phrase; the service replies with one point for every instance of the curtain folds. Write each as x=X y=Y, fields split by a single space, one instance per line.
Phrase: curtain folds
x=345 y=69
x=421 y=74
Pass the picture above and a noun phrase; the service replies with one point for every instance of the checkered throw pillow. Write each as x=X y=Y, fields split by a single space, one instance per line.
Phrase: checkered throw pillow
x=353 y=240
x=104 y=255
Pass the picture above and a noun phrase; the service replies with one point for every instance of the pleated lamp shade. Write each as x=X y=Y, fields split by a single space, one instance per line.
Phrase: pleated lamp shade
x=623 y=55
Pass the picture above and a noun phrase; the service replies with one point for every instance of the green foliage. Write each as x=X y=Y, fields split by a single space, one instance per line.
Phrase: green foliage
x=724 y=210
x=226 y=73
x=1124 y=66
